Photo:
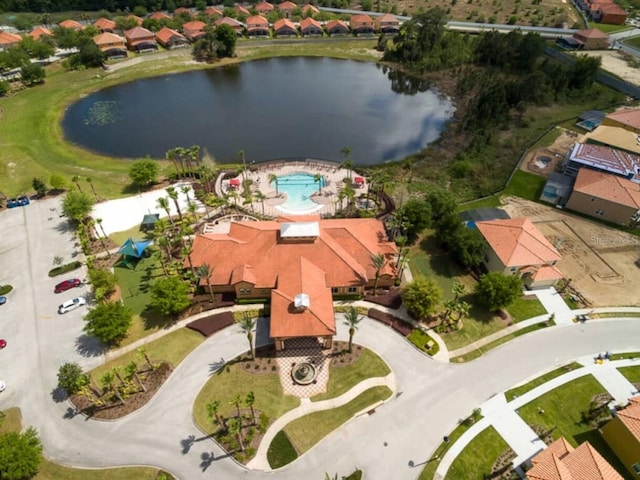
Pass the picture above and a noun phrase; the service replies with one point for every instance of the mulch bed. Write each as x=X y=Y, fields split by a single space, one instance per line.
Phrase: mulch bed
x=113 y=408
x=389 y=298
x=203 y=303
x=213 y=323
x=502 y=468
x=340 y=356
x=399 y=325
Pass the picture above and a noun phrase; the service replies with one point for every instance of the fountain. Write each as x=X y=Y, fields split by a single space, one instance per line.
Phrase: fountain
x=303 y=373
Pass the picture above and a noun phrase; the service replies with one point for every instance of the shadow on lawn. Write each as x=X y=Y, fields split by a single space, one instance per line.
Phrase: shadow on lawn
x=477 y=311
x=153 y=319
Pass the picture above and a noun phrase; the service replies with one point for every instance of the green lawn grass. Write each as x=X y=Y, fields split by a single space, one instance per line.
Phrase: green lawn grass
x=480 y=324
x=606 y=28
x=516 y=392
x=134 y=232
x=526 y=307
x=631 y=373
x=233 y=379
x=622 y=356
x=10 y=420
x=525 y=185
x=306 y=431
x=420 y=340
x=487 y=202
x=342 y=379
x=281 y=452
x=172 y=348
x=477 y=458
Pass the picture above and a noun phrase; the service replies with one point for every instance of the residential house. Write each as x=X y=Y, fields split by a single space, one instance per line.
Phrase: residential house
x=183 y=11
x=337 y=27
x=560 y=461
x=232 y=22
x=591 y=39
x=516 y=247
x=298 y=264
x=287 y=8
x=111 y=44
x=140 y=40
x=605 y=196
x=170 y=39
x=627 y=118
x=609 y=13
x=263 y=7
x=257 y=26
x=362 y=24
x=615 y=137
x=285 y=27
x=159 y=16
x=622 y=433
x=387 y=24
x=242 y=10
x=71 y=24
x=8 y=40
x=194 y=30
x=213 y=12
x=310 y=9
x=105 y=25
x=604 y=159
x=136 y=19
x=310 y=27
x=39 y=32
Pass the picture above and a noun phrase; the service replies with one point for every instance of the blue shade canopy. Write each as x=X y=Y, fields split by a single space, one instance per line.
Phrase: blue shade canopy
x=132 y=248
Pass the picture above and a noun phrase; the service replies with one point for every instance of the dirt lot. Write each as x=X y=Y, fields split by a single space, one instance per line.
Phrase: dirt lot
x=619 y=63
x=599 y=260
x=544 y=160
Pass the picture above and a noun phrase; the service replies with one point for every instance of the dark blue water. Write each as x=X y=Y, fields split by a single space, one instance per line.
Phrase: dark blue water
x=275 y=108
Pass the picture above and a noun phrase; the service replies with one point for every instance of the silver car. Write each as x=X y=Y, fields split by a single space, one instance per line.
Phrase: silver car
x=71 y=305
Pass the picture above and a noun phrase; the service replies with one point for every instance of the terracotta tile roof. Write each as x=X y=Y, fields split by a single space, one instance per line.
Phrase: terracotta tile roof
x=242 y=10
x=182 y=10
x=264 y=7
x=387 y=18
x=337 y=23
x=309 y=22
x=560 y=461
x=104 y=24
x=138 y=33
x=213 y=11
x=284 y=23
x=608 y=187
x=611 y=9
x=591 y=33
x=360 y=19
x=160 y=16
x=257 y=21
x=547 y=272
x=607 y=158
x=517 y=242
x=232 y=22
x=308 y=6
x=38 y=32
x=195 y=26
x=108 y=38
x=287 y=5
x=626 y=116
x=71 y=24
x=137 y=19
x=630 y=416
x=7 y=38
x=165 y=34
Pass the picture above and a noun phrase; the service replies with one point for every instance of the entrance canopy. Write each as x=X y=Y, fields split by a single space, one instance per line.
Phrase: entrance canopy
x=131 y=248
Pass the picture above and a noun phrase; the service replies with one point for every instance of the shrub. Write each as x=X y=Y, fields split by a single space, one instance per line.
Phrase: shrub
x=399 y=325
x=281 y=452
x=4 y=289
x=65 y=268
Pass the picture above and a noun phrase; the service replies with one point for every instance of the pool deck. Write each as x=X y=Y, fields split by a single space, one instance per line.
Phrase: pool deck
x=326 y=200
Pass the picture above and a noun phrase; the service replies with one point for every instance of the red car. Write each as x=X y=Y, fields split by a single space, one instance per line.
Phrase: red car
x=3 y=343
x=67 y=285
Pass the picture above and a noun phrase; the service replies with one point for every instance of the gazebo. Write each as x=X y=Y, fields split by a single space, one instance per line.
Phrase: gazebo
x=149 y=222
x=133 y=249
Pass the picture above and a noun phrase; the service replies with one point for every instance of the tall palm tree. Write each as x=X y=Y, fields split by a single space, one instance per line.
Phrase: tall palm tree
x=249 y=401
x=173 y=156
x=403 y=261
x=173 y=195
x=99 y=222
x=95 y=194
x=348 y=163
x=186 y=251
x=236 y=400
x=107 y=380
x=273 y=178
x=352 y=318
x=244 y=167
x=462 y=309
x=141 y=352
x=247 y=323
x=163 y=203
x=186 y=189
x=92 y=224
x=378 y=262
x=76 y=179
x=317 y=178
x=458 y=290
x=131 y=370
x=205 y=271
x=350 y=194
x=261 y=197
x=235 y=428
x=213 y=411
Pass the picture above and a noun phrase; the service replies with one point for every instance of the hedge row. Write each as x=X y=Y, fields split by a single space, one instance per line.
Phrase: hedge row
x=390 y=299
x=399 y=325
x=65 y=268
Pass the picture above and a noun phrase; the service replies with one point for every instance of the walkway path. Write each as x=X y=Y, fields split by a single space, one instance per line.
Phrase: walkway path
x=554 y=304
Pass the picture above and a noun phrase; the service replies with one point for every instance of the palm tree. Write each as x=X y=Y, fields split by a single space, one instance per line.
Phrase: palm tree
x=378 y=262
x=163 y=203
x=186 y=251
x=205 y=271
x=131 y=370
x=350 y=195
x=237 y=400
x=173 y=156
x=261 y=197
x=116 y=372
x=99 y=222
x=352 y=319
x=214 y=413
x=186 y=189
x=92 y=223
x=93 y=188
x=274 y=178
x=317 y=178
x=235 y=428
x=107 y=381
x=76 y=179
x=173 y=195
x=403 y=261
x=141 y=352
x=247 y=323
x=458 y=290
x=249 y=401
x=348 y=163
x=233 y=194
x=462 y=309
x=244 y=167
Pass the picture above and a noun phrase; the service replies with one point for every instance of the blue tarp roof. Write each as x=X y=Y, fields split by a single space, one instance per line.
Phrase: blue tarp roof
x=131 y=248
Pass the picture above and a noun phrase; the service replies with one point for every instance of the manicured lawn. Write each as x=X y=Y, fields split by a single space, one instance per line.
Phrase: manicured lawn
x=342 y=379
x=172 y=348
x=281 y=451
x=526 y=307
x=134 y=232
x=487 y=202
x=10 y=420
x=622 y=356
x=306 y=431
x=420 y=339
x=480 y=324
x=525 y=185
x=527 y=387
x=233 y=379
x=631 y=373
x=477 y=458
x=606 y=28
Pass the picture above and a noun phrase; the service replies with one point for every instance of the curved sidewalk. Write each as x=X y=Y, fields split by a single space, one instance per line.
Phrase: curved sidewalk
x=306 y=407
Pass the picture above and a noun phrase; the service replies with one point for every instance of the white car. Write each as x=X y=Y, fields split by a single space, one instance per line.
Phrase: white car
x=71 y=305
x=2 y=386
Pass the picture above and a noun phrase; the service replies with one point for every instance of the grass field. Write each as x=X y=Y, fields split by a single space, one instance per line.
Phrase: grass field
x=477 y=458
x=527 y=387
x=631 y=373
x=281 y=452
x=526 y=307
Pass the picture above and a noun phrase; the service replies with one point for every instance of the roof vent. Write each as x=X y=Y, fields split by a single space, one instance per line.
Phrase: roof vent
x=301 y=301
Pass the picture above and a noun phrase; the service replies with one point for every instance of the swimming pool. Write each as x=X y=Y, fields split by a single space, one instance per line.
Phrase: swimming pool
x=299 y=187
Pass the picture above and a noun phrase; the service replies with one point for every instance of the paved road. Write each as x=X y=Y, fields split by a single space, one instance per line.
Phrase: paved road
x=432 y=396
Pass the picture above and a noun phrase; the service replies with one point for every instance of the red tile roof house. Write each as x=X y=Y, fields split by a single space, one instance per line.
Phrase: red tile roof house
x=362 y=24
x=257 y=26
x=298 y=263
x=605 y=196
x=194 y=31
x=232 y=22
x=285 y=28
x=137 y=19
x=337 y=27
x=242 y=10
x=264 y=7
x=387 y=24
x=610 y=13
x=71 y=24
x=560 y=461
x=105 y=25
x=622 y=433
x=38 y=32
x=213 y=12
x=140 y=40
x=310 y=27
x=8 y=40
x=287 y=8
x=310 y=9
x=517 y=247
x=160 y=16
x=180 y=10
x=604 y=159
x=111 y=44
x=592 y=39
x=627 y=118
x=170 y=39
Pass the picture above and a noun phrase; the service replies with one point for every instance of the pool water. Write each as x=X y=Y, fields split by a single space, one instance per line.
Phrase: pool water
x=299 y=187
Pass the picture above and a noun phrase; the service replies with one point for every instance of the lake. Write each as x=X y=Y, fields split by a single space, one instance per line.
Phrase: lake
x=277 y=108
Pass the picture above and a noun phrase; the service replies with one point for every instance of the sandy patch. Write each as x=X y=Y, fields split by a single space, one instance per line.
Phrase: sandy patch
x=619 y=63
